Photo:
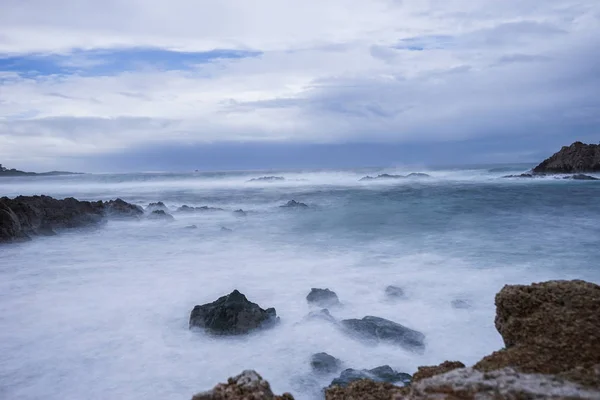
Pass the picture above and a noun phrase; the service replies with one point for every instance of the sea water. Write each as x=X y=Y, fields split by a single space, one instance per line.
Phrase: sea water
x=102 y=313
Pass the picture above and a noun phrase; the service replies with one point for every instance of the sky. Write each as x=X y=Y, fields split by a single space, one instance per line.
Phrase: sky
x=131 y=85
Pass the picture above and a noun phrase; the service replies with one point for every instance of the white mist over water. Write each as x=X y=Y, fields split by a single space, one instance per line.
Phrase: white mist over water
x=103 y=313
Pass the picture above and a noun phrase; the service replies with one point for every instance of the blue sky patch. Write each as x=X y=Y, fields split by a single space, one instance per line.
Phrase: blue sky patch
x=420 y=43
x=109 y=62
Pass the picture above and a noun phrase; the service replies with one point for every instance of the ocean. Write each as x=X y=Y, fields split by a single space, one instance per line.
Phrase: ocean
x=103 y=313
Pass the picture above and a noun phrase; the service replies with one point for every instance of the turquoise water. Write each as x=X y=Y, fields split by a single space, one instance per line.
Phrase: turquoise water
x=102 y=313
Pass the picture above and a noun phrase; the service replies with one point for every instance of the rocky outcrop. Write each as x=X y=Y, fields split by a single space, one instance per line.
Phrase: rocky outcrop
x=385 y=373
x=376 y=329
x=267 y=179
x=578 y=157
x=428 y=372
x=294 y=204
x=157 y=206
x=549 y=328
x=322 y=298
x=232 y=315
x=321 y=315
x=366 y=389
x=389 y=176
x=240 y=213
x=160 y=215
x=325 y=363
x=581 y=177
x=249 y=385
x=26 y=216
x=185 y=208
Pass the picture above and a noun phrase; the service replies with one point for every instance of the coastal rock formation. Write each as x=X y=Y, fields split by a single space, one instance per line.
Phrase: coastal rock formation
x=325 y=363
x=267 y=179
x=578 y=157
x=249 y=385
x=232 y=315
x=549 y=328
x=366 y=389
x=379 y=329
x=385 y=373
x=240 y=213
x=160 y=215
x=25 y=216
x=581 y=177
x=157 y=206
x=321 y=315
x=428 y=372
x=322 y=298
x=388 y=176
x=294 y=204
x=185 y=208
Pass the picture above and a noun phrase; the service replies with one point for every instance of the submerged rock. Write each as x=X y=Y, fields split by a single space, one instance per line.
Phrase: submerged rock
x=190 y=227
x=380 y=329
x=185 y=208
x=160 y=215
x=578 y=157
x=581 y=177
x=460 y=304
x=225 y=229
x=325 y=363
x=322 y=298
x=390 y=176
x=232 y=315
x=322 y=315
x=294 y=204
x=385 y=373
x=394 y=292
x=267 y=179
x=240 y=213
x=249 y=385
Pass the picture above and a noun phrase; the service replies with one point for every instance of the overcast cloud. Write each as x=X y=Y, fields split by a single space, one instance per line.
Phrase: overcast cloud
x=98 y=80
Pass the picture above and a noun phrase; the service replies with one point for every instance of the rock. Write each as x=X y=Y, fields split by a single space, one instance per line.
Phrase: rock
x=191 y=227
x=503 y=384
x=428 y=372
x=249 y=385
x=526 y=175
x=578 y=157
x=581 y=177
x=384 y=373
x=394 y=292
x=325 y=363
x=224 y=229
x=294 y=204
x=380 y=329
x=121 y=209
x=460 y=304
x=389 y=176
x=157 y=206
x=232 y=315
x=322 y=315
x=322 y=298
x=185 y=208
x=240 y=213
x=26 y=216
x=549 y=328
x=365 y=389
x=160 y=215
x=267 y=179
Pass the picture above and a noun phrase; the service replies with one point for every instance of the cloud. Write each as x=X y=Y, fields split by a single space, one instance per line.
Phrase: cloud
x=82 y=78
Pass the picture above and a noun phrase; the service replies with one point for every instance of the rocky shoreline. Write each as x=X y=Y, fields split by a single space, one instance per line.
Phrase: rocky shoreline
x=551 y=332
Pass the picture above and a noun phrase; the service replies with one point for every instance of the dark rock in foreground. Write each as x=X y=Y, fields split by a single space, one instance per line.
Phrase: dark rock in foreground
x=26 y=216
x=384 y=373
x=389 y=176
x=394 y=292
x=294 y=204
x=322 y=298
x=578 y=157
x=232 y=315
x=160 y=215
x=325 y=363
x=249 y=385
x=185 y=208
x=379 y=329
x=267 y=179
x=428 y=372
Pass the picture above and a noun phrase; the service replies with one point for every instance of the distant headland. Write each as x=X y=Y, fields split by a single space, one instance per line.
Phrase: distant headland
x=15 y=172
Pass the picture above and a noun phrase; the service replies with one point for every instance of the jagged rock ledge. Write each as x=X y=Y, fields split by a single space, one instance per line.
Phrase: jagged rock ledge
x=27 y=216
x=576 y=158
x=551 y=332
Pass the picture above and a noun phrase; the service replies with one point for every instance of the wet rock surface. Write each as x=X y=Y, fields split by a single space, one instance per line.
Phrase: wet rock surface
x=324 y=363
x=322 y=298
x=385 y=373
x=233 y=314
x=428 y=372
x=394 y=292
x=249 y=385
x=378 y=329
x=26 y=216
x=294 y=204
